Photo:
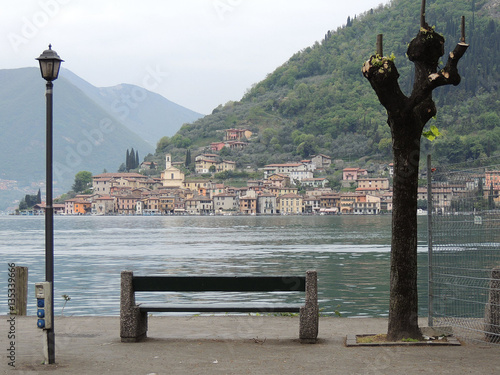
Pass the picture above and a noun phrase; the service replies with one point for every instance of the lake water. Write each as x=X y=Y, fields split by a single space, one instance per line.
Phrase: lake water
x=350 y=253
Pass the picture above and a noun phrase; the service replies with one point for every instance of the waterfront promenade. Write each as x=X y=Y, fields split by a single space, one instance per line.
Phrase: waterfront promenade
x=232 y=345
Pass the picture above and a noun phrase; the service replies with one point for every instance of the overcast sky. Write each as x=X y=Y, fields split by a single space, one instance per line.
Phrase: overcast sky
x=196 y=53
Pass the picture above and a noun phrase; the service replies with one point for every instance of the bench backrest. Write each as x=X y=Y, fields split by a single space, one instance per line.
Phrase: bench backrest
x=219 y=283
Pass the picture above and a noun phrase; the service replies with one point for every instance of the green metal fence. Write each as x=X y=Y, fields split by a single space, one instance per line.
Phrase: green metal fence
x=464 y=248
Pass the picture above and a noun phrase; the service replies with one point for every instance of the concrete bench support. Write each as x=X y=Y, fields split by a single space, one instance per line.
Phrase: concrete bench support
x=309 y=313
x=492 y=313
x=133 y=322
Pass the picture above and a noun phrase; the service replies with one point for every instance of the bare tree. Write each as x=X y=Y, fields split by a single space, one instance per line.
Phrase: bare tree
x=407 y=117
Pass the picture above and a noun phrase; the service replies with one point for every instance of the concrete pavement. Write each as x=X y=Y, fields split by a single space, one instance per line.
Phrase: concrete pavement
x=230 y=345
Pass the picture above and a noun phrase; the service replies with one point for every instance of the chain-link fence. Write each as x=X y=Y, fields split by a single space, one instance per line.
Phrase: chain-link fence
x=464 y=248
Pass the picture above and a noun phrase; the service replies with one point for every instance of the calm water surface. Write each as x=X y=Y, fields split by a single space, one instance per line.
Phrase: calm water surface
x=351 y=254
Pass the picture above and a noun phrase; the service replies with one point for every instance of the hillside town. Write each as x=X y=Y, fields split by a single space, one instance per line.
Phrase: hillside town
x=293 y=188
x=277 y=193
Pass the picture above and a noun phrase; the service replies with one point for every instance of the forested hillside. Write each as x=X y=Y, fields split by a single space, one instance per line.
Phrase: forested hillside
x=319 y=102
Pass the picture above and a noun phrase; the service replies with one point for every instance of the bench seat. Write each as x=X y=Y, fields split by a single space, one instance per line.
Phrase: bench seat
x=222 y=308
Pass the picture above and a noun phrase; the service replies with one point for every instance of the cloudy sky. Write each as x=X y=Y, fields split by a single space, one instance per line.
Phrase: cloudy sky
x=196 y=53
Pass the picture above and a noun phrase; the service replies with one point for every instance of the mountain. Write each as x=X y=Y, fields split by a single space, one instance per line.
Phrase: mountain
x=88 y=133
x=146 y=113
x=319 y=102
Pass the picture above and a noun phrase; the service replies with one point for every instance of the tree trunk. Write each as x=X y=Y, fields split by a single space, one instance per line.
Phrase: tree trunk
x=407 y=117
x=403 y=307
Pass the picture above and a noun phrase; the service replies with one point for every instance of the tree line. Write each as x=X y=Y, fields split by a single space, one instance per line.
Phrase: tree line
x=30 y=200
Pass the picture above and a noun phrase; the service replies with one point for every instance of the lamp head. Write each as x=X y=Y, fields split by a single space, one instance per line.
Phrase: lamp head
x=50 y=62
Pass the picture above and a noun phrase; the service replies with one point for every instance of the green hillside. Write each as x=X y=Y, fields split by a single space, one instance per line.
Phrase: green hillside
x=319 y=102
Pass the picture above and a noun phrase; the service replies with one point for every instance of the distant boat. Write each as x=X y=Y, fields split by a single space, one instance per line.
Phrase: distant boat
x=421 y=212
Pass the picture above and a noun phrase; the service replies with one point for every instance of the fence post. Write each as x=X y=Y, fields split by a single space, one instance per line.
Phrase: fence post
x=430 y=291
x=492 y=313
x=21 y=290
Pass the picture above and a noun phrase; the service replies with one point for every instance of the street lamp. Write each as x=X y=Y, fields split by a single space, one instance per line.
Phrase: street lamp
x=50 y=62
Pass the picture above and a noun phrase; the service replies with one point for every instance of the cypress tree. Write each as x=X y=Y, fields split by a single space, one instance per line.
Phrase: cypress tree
x=127 y=161
x=132 y=158
x=491 y=202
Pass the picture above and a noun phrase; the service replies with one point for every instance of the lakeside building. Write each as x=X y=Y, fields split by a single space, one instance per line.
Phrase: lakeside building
x=296 y=171
x=279 y=180
x=442 y=197
x=248 y=205
x=237 y=134
x=314 y=182
x=322 y=161
x=311 y=204
x=290 y=204
x=367 y=205
x=39 y=208
x=80 y=205
x=352 y=174
x=266 y=204
x=104 y=182
x=329 y=202
x=377 y=184
x=171 y=177
x=232 y=145
x=226 y=203
x=103 y=205
x=492 y=182
x=126 y=203
x=205 y=166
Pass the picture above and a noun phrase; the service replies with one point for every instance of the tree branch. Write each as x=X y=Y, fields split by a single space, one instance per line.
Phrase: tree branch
x=423 y=24
x=462 y=29
x=447 y=76
x=383 y=77
x=380 y=45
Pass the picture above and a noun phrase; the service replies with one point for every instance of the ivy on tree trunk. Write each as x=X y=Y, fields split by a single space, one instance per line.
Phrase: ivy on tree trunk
x=407 y=117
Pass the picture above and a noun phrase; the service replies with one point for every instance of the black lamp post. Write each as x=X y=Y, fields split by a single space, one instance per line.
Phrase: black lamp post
x=50 y=62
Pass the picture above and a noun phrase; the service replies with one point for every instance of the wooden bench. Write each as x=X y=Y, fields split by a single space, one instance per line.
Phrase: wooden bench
x=134 y=317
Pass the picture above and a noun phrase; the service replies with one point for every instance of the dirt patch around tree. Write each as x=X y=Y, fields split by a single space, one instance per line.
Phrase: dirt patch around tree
x=431 y=336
